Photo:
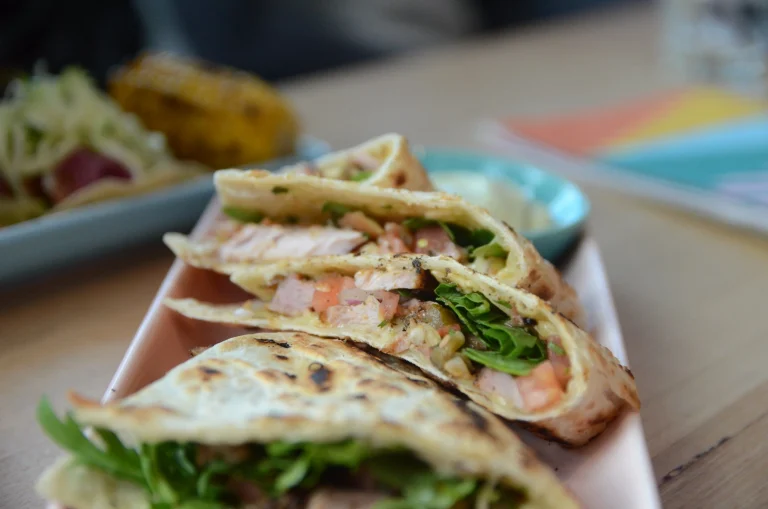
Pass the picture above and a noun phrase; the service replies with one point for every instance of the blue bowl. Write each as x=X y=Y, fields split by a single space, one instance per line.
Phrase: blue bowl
x=566 y=205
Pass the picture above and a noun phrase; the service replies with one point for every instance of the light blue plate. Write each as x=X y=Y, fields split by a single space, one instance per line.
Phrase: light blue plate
x=42 y=244
x=567 y=206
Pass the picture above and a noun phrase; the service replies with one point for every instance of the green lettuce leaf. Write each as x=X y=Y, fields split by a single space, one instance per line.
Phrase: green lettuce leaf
x=115 y=459
x=173 y=479
x=243 y=215
x=361 y=176
x=512 y=350
x=335 y=210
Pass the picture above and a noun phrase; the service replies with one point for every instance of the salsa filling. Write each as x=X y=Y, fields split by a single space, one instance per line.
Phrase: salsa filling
x=274 y=475
x=256 y=237
x=463 y=334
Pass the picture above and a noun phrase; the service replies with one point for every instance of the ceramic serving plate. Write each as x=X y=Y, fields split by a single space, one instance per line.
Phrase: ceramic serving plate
x=503 y=185
x=49 y=242
x=612 y=472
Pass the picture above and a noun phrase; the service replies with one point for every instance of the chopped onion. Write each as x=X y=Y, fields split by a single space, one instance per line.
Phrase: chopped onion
x=352 y=296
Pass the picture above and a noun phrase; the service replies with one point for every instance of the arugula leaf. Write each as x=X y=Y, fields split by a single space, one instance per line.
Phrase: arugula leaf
x=335 y=210
x=243 y=215
x=512 y=350
x=116 y=460
x=481 y=237
x=497 y=361
x=361 y=176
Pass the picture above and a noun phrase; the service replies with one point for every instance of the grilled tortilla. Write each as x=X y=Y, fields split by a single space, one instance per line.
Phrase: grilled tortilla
x=367 y=220
x=384 y=161
x=283 y=420
x=504 y=348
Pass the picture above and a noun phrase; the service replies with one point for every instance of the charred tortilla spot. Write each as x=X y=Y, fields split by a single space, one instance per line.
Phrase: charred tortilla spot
x=421 y=382
x=629 y=372
x=290 y=376
x=399 y=179
x=320 y=375
x=359 y=396
x=544 y=433
x=268 y=341
x=529 y=322
x=478 y=421
x=209 y=371
x=417 y=265
x=281 y=357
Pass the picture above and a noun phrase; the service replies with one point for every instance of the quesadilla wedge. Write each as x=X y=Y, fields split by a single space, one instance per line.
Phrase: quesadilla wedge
x=384 y=161
x=292 y=421
x=504 y=348
x=302 y=216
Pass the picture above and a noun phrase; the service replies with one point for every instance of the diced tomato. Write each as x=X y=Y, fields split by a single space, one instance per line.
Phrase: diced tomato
x=560 y=362
x=541 y=388
x=327 y=291
x=389 y=302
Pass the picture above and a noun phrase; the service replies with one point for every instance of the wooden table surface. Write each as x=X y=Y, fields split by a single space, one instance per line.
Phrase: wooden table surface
x=689 y=292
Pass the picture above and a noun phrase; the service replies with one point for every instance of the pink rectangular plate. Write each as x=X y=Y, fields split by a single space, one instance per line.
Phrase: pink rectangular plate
x=612 y=472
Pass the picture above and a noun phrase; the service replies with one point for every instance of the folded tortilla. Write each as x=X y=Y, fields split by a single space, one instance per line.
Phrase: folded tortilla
x=533 y=365
x=301 y=404
x=384 y=161
x=298 y=205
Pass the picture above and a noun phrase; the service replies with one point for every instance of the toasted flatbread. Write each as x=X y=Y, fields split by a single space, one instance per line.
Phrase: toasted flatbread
x=303 y=199
x=292 y=387
x=599 y=387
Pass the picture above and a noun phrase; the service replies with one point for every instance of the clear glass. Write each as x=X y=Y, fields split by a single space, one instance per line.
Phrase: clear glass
x=723 y=42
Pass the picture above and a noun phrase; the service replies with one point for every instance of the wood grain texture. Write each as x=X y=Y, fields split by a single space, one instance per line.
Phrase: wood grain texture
x=690 y=293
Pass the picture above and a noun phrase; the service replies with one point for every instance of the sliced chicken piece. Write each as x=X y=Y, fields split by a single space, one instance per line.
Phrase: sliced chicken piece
x=340 y=499
x=408 y=279
x=255 y=242
x=362 y=223
x=327 y=291
x=500 y=383
x=396 y=239
x=293 y=297
x=434 y=240
x=370 y=313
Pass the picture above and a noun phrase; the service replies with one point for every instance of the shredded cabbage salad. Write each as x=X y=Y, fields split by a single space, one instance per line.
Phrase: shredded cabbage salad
x=45 y=118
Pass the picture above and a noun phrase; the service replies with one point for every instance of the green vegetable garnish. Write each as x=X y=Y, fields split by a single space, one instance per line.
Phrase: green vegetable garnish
x=383 y=323
x=555 y=348
x=479 y=242
x=361 y=176
x=244 y=215
x=279 y=190
x=512 y=350
x=173 y=478
x=489 y=250
x=335 y=210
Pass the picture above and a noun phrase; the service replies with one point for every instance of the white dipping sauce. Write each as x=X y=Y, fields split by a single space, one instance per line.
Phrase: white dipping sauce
x=505 y=201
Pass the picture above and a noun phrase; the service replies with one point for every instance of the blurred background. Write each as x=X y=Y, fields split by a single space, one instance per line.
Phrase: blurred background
x=276 y=39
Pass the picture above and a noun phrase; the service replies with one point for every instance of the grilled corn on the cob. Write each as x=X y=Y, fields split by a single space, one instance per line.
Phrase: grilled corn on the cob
x=219 y=117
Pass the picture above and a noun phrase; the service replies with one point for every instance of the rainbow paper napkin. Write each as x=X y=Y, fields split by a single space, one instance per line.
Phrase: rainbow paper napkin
x=704 y=148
